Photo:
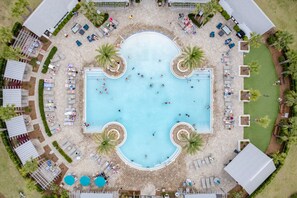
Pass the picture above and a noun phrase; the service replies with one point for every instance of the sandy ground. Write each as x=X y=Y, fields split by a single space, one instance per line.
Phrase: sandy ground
x=220 y=144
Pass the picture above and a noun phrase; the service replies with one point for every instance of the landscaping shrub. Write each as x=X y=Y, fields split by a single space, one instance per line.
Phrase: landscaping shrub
x=48 y=59
x=245 y=38
x=137 y=1
x=16 y=29
x=61 y=151
x=66 y=19
x=236 y=28
x=294 y=195
x=271 y=39
x=41 y=107
x=225 y=15
x=192 y=18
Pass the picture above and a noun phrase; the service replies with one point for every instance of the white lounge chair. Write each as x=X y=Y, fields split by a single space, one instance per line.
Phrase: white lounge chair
x=203 y=184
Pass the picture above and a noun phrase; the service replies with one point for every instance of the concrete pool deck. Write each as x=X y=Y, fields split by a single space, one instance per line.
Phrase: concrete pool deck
x=221 y=144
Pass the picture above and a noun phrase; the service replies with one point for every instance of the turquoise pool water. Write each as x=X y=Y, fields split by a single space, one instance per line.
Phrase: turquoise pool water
x=148 y=100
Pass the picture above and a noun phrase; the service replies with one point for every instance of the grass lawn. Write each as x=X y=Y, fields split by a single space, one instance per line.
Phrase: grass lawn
x=282 y=13
x=267 y=104
x=284 y=184
x=11 y=181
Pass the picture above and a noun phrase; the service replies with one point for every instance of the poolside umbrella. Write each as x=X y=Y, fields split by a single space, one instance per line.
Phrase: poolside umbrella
x=85 y=180
x=69 y=180
x=100 y=181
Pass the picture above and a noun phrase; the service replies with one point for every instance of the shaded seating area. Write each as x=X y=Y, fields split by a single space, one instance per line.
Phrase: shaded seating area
x=26 y=152
x=46 y=173
x=250 y=168
x=18 y=126
x=17 y=97
x=17 y=71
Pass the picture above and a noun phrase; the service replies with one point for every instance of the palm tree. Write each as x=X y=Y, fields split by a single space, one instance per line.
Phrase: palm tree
x=106 y=142
x=88 y=9
x=264 y=121
x=198 y=8
x=289 y=136
x=97 y=19
x=291 y=98
x=255 y=40
x=279 y=158
x=291 y=70
x=107 y=56
x=254 y=67
x=210 y=8
x=8 y=112
x=8 y=52
x=29 y=167
x=291 y=57
x=193 y=143
x=254 y=94
x=191 y=57
x=283 y=40
x=5 y=35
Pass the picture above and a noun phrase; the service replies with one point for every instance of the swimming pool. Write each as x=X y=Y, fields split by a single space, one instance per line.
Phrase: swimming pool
x=148 y=100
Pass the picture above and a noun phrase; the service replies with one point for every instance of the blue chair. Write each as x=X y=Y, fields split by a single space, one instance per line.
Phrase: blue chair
x=227 y=41
x=86 y=27
x=219 y=26
x=231 y=45
x=212 y=34
x=78 y=43
x=81 y=32
x=90 y=39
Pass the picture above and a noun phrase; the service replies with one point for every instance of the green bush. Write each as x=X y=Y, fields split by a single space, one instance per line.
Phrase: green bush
x=16 y=29
x=245 y=38
x=48 y=59
x=137 y=1
x=61 y=151
x=225 y=15
x=41 y=107
x=271 y=39
x=236 y=28
x=294 y=195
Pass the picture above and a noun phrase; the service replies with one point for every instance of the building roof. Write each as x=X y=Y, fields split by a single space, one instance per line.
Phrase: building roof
x=12 y=97
x=16 y=126
x=26 y=151
x=15 y=70
x=250 y=168
x=96 y=195
x=248 y=14
x=47 y=15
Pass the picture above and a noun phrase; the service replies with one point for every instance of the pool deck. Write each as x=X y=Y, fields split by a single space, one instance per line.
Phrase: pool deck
x=221 y=144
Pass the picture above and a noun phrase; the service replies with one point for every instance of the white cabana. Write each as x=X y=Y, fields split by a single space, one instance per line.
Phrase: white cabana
x=26 y=152
x=15 y=70
x=250 y=168
x=16 y=126
x=48 y=15
x=249 y=16
x=16 y=97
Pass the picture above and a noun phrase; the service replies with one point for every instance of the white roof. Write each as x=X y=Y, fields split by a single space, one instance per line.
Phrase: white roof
x=188 y=1
x=26 y=151
x=96 y=195
x=16 y=126
x=250 y=168
x=14 y=70
x=201 y=196
x=249 y=13
x=12 y=97
x=48 y=14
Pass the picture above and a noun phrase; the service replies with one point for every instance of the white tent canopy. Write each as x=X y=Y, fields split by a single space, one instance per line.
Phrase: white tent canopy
x=250 y=168
x=15 y=70
x=48 y=14
x=15 y=97
x=26 y=152
x=249 y=13
x=16 y=126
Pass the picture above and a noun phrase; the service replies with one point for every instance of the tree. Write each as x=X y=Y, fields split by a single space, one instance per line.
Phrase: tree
x=254 y=67
x=193 y=143
x=192 y=57
x=29 y=167
x=255 y=40
x=8 y=112
x=210 y=8
x=264 y=121
x=106 y=142
x=19 y=8
x=88 y=9
x=254 y=94
x=5 y=35
x=291 y=98
x=279 y=158
x=288 y=131
x=107 y=56
x=283 y=40
x=8 y=52
x=30 y=184
x=291 y=58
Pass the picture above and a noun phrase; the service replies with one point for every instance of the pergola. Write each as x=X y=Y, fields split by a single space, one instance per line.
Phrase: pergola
x=16 y=70
x=17 y=97
x=26 y=152
x=46 y=173
x=18 y=126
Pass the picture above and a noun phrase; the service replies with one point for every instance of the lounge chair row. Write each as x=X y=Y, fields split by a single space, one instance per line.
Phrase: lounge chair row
x=199 y=163
x=71 y=150
x=209 y=182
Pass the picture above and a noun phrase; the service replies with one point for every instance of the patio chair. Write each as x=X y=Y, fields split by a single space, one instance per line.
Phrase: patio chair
x=203 y=183
x=212 y=35
x=81 y=32
x=86 y=27
x=78 y=43
x=90 y=38
x=212 y=184
x=219 y=26
x=99 y=33
x=207 y=182
x=231 y=45
x=227 y=41
x=206 y=160
x=221 y=33
x=196 y=165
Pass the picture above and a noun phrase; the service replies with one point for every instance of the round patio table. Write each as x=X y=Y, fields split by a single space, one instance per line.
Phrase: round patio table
x=85 y=180
x=69 y=180
x=100 y=181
